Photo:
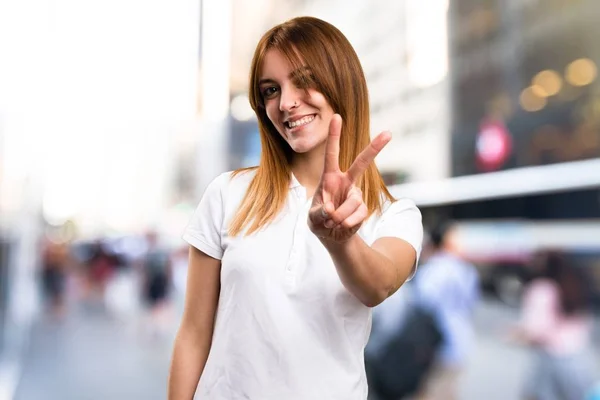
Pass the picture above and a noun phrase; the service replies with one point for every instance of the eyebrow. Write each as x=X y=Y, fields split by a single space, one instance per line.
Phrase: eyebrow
x=267 y=80
x=296 y=73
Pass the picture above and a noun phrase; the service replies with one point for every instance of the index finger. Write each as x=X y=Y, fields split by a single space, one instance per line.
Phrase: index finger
x=366 y=157
x=332 y=147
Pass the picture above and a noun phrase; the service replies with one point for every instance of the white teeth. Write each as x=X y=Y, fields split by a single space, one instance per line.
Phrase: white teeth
x=301 y=121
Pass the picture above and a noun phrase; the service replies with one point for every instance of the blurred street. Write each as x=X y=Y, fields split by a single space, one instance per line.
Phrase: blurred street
x=92 y=356
x=498 y=368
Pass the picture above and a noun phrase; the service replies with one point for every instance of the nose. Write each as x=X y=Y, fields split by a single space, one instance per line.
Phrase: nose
x=289 y=98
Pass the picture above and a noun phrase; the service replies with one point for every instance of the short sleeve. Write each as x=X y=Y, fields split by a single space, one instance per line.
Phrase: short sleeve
x=205 y=227
x=402 y=219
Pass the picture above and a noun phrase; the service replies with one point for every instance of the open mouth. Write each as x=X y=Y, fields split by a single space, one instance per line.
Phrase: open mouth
x=299 y=123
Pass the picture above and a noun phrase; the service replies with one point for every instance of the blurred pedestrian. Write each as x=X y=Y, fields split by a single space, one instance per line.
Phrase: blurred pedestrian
x=55 y=262
x=101 y=267
x=557 y=323
x=288 y=258
x=447 y=286
x=157 y=283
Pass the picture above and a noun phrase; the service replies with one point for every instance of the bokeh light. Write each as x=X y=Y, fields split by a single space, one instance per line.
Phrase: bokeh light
x=581 y=72
x=531 y=101
x=549 y=81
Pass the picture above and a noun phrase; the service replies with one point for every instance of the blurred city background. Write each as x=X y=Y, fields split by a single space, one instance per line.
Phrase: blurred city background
x=115 y=115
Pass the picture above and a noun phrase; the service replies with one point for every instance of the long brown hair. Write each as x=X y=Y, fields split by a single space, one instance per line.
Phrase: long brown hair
x=338 y=75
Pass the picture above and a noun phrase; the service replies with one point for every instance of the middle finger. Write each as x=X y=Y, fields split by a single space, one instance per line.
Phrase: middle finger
x=366 y=157
x=348 y=207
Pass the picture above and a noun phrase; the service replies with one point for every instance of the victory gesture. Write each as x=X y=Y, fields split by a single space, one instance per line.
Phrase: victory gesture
x=338 y=209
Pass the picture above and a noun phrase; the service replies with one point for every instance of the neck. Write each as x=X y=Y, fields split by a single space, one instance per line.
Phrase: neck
x=308 y=168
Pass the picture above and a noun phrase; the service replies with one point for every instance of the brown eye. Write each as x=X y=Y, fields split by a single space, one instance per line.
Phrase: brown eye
x=269 y=92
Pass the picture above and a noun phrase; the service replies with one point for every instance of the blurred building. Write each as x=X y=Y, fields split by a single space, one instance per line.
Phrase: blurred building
x=20 y=182
x=20 y=235
x=525 y=110
x=402 y=46
x=525 y=94
x=525 y=135
x=524 y=87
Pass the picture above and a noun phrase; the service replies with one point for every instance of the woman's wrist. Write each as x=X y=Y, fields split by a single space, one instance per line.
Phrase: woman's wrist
x=338 y=245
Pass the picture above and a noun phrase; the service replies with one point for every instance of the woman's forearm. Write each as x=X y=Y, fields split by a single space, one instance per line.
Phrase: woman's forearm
x=189 y=358
x=364 y=271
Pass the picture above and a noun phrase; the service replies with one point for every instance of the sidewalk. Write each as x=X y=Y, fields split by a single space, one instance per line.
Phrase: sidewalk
x=11 y=358
x=92 y=356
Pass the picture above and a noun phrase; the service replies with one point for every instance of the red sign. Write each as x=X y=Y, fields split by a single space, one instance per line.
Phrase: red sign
x=493 y=145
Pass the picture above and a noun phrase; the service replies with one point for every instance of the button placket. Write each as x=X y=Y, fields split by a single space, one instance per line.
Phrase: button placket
x=292 y=263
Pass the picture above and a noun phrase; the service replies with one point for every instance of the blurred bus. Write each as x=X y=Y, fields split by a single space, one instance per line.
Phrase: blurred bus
x=505 y=217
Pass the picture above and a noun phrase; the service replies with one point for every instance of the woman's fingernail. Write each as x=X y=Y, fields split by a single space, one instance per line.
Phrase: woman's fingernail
x=323 y=213
x=329 y=224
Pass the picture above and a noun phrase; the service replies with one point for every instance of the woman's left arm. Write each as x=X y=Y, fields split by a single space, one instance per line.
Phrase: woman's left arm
x=372 y=273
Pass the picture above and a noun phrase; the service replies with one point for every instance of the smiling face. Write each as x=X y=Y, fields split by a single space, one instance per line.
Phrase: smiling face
x=299 y=112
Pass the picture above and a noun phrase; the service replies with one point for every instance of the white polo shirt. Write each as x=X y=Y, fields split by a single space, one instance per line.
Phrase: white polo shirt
x=286 y=327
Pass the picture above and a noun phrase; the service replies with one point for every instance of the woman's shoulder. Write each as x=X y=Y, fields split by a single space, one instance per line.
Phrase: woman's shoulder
x=397 y=206
x=398 y=218
x=401 y=211
x=234 y=180
x=229 y=188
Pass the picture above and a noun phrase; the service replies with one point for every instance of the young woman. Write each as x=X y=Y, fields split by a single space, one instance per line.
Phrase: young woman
x=287 y=259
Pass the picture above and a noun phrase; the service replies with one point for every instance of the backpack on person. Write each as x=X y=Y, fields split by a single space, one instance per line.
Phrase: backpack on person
x=406 y=358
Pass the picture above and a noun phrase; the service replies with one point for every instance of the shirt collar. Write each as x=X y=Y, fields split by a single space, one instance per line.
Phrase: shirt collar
x=294 y=182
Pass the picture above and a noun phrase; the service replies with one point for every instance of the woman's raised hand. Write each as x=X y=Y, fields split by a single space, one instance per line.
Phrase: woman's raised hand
x=338 y=210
